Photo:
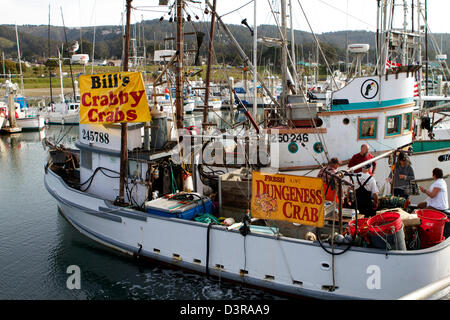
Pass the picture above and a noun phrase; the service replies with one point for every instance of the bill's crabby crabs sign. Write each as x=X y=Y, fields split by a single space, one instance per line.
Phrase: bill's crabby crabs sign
x=113 y=98
x=287 y=197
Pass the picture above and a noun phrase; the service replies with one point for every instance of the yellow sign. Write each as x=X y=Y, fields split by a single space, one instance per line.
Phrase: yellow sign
x=113 y=98
x=286 y=197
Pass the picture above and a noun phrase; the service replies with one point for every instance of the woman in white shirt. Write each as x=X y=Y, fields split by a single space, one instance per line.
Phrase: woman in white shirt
x=437 y=193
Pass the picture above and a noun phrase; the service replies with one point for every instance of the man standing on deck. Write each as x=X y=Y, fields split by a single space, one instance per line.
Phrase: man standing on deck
x=403 y=174
x=366 y=189
x=360 y=157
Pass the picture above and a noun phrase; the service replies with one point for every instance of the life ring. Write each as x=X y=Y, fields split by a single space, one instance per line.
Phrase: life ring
x=17 y=115
x=3 y=113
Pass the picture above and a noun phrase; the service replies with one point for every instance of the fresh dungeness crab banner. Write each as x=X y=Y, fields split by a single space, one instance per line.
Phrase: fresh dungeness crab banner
x=113 y=98
x=286 y=197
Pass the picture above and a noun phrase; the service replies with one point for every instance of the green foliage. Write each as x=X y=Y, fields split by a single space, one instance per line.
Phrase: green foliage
x=10 y=66
x=6 y=43
x=24 y=67
x=51 y=64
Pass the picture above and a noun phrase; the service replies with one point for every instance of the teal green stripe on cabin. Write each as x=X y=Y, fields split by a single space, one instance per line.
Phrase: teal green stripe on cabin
x=371 y=104
x=430 y=145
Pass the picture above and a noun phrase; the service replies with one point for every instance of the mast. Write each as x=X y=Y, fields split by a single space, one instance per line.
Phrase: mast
x=377 y=39
x=419 y=51
x=93 y=53
x=243 y=56
x=291 y=17
x=61 y=76
x=49 y=71
x=426 y=48
x=208 y=66
x=255 y=61
x=179 y=67
x=346 y=40
x=384 y=48
x=284 y=93
x=20 y=62
x=70 y=60
x=124 y=127
x=405 y=25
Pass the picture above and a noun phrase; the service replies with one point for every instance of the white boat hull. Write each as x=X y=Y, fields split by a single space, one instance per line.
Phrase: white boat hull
x=31 y=123
x=282 y=264
x=63 y=119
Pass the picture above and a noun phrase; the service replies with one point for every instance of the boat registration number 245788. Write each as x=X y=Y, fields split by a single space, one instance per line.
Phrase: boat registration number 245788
x=94 y=136
x=289 y=137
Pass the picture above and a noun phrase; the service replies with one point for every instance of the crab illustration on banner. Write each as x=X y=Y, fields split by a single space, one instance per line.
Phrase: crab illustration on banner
x=113 y=98
x=286 y=197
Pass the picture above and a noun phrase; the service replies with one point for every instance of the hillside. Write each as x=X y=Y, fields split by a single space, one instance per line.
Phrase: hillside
x=34 y=41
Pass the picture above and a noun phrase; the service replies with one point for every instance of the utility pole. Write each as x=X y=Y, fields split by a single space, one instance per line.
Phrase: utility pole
x=179 y=82
x=124 y=126
x=208 y=66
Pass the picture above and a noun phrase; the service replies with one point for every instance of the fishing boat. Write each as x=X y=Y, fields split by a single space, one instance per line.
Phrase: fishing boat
x=127 y=197
x=27 y=119
x=63 y=113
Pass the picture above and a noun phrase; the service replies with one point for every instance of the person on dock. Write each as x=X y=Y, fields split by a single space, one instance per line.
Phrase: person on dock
x=366 y=189
x=403 y=174
x=328 y=186
x=437 y=193
x=362 y=156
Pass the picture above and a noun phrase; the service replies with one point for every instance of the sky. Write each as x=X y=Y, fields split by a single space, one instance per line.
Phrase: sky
x=323 y=15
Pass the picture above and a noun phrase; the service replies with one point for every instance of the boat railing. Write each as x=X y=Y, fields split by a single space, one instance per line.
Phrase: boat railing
x=383 y=155
x=428 y=291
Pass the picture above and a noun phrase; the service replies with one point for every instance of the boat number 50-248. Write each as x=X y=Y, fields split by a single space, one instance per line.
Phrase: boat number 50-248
x=292 y=137
x=95 y=136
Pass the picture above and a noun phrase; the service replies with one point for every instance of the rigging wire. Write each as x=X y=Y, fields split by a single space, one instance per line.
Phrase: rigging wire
x=347 y=14
x=237 y=9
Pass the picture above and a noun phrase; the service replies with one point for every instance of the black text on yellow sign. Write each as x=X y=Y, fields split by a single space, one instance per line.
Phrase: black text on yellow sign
x=286 y=197
x=113 y=98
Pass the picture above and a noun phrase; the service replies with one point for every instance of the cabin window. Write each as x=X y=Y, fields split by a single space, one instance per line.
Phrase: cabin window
x=367 y=129
x=407 y=122
x=86 y=159
x=393 y=125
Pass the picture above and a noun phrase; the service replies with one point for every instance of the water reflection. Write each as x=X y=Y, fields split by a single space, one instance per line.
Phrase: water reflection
x=66 y=135
x=107 y=274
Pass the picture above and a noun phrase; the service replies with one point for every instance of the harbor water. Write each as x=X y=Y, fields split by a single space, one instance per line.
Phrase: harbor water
x=37 y=245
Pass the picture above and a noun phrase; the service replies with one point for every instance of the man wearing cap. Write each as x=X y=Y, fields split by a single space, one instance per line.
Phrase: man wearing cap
x=366 y=188
x=360 y=157
x=333 y=165
x=403 y=174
